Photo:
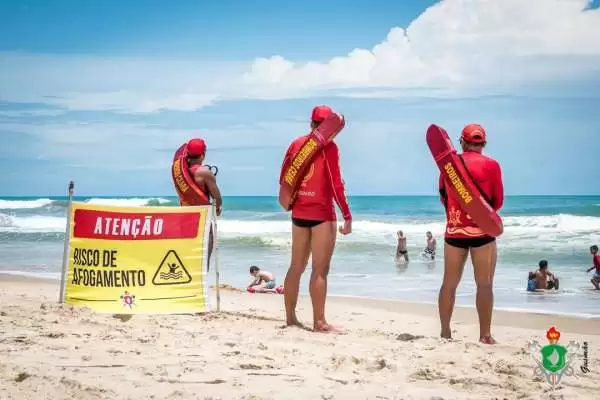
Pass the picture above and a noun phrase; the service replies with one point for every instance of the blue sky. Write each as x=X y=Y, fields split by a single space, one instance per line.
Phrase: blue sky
x=104 y=92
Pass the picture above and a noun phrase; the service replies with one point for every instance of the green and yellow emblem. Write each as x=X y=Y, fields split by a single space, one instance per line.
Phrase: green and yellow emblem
x=553 y=360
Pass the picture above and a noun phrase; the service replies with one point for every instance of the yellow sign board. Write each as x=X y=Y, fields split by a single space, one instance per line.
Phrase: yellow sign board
x=131 y=260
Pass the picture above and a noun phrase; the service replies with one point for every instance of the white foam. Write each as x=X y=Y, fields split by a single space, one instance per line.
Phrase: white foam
x=23 y=204
x=131 y=202
x=552 y=232
x=564 y=223
x=35 y=223
x=42 y=275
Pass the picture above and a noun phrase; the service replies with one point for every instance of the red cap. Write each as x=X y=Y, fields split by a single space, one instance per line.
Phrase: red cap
x=320 y=113
x=473 y=133
x=196 y=148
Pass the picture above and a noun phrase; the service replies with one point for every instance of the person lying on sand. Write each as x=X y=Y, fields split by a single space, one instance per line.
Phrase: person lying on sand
x=264 y=281
x=596 y=265
x=544 y=278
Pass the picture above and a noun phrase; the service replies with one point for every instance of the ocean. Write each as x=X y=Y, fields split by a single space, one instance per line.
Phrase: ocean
x=254 y=230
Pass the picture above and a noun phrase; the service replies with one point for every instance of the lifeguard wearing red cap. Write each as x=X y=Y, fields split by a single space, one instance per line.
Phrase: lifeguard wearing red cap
x=473 y=133
x=320 y=113
x=196 y=148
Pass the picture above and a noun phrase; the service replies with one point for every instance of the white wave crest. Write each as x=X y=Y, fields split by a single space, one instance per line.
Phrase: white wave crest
x=131 y=202
x=35 y=223
x=565 y=223
x=23 y=204
x=552 y=231
x=561 y=230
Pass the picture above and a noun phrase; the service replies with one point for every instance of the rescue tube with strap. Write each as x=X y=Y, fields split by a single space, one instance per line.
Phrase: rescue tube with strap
x=185 y=185
x=471 y=199
x=295 y=168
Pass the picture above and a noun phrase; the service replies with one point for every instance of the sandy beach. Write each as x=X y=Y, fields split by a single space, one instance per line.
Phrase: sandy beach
x=391 y=351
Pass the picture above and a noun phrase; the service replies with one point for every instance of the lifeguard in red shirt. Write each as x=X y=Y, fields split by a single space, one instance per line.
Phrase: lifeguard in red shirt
x=314 y=225
x=463 y=237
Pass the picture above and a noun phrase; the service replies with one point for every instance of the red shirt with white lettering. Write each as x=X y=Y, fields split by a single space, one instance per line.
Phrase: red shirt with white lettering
x=322 y=185
x=486 y=173
x=596 y=260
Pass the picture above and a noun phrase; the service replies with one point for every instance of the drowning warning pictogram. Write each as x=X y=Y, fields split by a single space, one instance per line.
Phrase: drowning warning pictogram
x=171 y=271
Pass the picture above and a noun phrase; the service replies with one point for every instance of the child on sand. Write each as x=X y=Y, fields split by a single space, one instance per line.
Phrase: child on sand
x=596 y=265
x=264 y=281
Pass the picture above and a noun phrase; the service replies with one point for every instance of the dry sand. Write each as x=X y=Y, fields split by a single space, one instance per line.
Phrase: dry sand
x=51 y=351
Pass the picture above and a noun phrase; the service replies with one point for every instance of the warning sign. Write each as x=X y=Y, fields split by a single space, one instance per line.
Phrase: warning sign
x=138 y=259
x=171 y=271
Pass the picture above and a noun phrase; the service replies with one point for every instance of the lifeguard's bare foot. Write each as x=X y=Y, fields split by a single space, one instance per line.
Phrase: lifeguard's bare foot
x=446 y=334
x=324 y=327
x=295 y=323
x=487 y=340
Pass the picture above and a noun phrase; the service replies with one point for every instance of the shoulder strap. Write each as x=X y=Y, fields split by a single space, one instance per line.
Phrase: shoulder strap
x=483 y=194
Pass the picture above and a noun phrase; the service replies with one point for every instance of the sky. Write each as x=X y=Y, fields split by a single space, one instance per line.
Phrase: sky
x=104 y=92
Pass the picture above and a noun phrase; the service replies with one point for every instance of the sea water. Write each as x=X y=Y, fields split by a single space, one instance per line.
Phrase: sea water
x=255 y=231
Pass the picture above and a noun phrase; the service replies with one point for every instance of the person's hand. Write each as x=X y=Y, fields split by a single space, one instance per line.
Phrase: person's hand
x=219 y=210
x=346 y=228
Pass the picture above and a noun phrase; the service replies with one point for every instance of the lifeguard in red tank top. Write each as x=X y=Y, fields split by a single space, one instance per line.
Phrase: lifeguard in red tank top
x=322 y=185
x=486 y=173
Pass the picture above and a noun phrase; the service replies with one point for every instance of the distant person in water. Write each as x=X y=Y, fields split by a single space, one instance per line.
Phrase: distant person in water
x=264 y=281
x=431 y=245
x=531 y=282
x=544 y=278
x=595 y=265
x=401 y=250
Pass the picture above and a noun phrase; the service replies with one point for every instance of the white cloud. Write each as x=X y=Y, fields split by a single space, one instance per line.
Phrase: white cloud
x=454 y=48
x=455 y=45
x=115 y=146
x=133 y=102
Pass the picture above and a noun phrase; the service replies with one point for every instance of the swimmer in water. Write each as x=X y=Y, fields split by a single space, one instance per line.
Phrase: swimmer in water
x=595 y=265
x=544 y=278
x=463 y=237
x=401 y=250
x=531 y=282
x=431 y=246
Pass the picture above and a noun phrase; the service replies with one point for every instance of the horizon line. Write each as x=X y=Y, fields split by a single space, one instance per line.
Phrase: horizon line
x=274 y=196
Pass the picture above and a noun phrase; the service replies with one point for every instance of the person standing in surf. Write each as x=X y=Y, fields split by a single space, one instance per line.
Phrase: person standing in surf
x=429 y=250
x=463 y=237
x=596 y=265
x=314 y=226
x=401 y=250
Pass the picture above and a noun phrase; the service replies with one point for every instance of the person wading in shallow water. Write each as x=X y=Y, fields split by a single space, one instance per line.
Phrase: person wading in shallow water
x=463 y=237
x=314 y=226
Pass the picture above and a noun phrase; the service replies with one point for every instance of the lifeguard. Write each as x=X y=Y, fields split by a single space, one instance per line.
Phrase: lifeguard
x=311 y=180
x=195 y=183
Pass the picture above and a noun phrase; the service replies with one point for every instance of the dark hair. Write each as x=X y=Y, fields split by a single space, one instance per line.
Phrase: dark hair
x=543 y=264
x=594 y=248
x=254 y=268
x=531 y=275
